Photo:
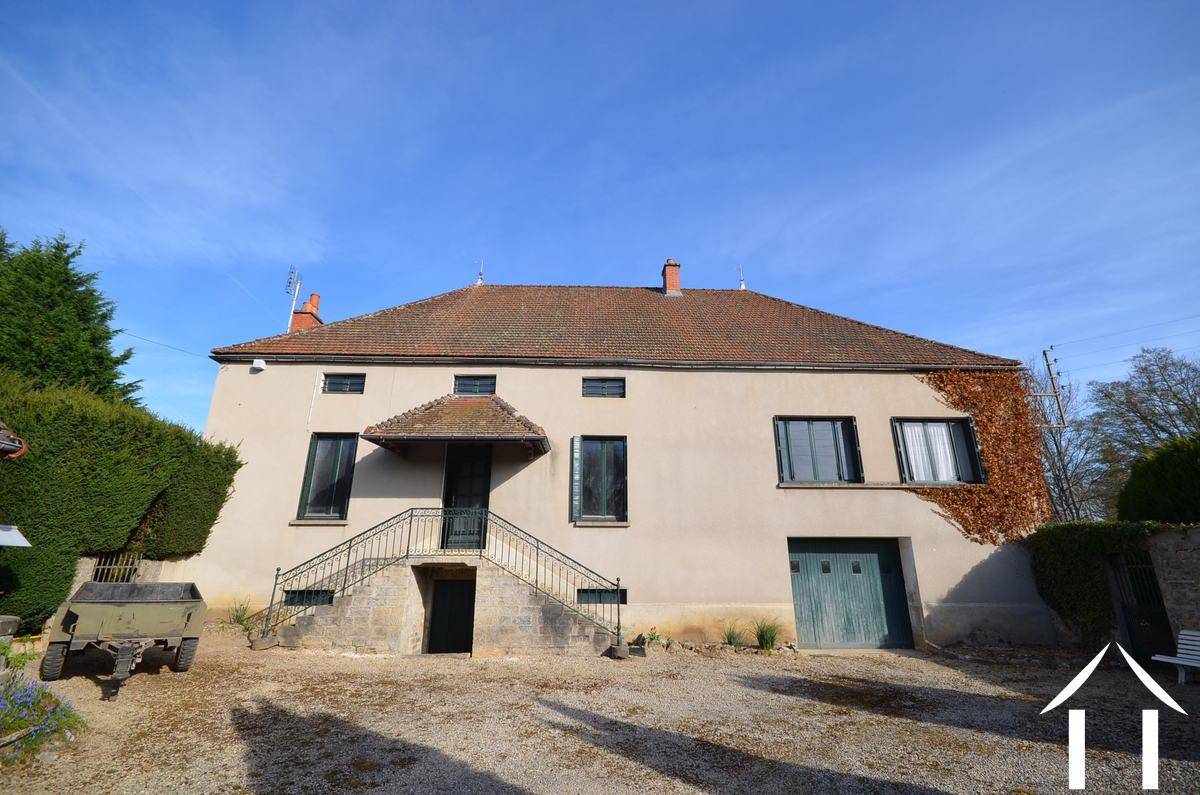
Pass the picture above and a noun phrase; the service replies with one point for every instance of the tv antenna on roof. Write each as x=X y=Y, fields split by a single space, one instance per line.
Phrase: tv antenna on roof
x=292 y=288
x=479 y=279
x=741 y=279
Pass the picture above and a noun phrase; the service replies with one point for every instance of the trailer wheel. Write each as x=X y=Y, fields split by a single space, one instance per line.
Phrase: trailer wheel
x=185 y=654
x=53 y=661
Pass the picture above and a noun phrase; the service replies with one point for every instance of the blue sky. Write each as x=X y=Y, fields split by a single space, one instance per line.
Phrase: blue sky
x=1000 y=177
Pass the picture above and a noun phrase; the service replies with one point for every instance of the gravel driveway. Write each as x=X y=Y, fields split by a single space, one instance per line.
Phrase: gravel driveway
x=302 y=721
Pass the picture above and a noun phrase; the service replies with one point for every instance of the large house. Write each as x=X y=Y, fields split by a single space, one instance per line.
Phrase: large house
x=474 y=471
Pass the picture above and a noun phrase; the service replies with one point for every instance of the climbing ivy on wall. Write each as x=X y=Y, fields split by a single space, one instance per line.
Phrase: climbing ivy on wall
x=1013 y=500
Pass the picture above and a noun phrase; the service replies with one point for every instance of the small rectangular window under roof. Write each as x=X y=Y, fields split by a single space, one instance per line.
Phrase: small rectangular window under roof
x=474 y=384
x=604 y=387
x=344 y=383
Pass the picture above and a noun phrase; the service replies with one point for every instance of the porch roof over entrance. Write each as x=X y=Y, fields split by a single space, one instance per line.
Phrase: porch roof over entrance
x=459 y=418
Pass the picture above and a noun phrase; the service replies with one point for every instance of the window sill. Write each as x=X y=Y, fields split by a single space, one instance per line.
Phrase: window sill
x=597 y=523
x=870 y=486
x=318 y=523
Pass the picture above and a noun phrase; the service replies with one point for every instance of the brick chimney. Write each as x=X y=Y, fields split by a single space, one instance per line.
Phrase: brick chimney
x=670 y=274
x=306 y=316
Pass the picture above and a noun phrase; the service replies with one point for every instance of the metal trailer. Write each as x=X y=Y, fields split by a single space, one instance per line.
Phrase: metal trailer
x=124 y=619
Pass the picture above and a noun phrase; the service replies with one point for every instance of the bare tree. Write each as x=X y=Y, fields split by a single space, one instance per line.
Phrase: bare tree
x=1159 y=401
x=1071 y=455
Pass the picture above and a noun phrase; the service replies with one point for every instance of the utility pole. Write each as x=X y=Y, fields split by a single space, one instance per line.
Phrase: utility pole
x=1055 y=392
x=1058 y=465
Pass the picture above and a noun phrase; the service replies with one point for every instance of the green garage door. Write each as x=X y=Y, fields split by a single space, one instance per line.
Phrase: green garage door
x=849 y=594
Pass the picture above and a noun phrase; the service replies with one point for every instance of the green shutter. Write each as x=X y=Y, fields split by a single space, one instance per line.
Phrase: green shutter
x=973 y=448
x=576 y=479
x=302 y=509
x=859 y=477
x=781 y=451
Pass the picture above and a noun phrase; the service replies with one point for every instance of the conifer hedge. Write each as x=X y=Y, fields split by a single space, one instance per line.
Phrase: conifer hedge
x=1164 y=485
x=99 y=477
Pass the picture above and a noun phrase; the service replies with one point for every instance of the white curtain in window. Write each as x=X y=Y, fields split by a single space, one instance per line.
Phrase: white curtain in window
x=943 y=451
x=919 y=463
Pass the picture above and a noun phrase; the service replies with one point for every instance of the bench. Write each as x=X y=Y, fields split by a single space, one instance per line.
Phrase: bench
x=1189 y=654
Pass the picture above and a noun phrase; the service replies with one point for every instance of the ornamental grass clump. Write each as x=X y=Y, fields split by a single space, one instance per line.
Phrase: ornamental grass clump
x=30 y=714
x=766 y=632
x=731 y=634
x=239 y=615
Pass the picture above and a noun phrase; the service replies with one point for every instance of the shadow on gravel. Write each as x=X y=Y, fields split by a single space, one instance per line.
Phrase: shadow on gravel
x=1113 y=716
x=710 y=766
x=96 y=666
x=288 y=751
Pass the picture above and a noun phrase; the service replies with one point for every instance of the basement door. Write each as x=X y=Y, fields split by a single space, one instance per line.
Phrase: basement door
x=452 y=617
x=849 y=594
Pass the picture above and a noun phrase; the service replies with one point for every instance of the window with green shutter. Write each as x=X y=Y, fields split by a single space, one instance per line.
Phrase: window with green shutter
x=325 y=493
x=817 y=450
x=598 y=479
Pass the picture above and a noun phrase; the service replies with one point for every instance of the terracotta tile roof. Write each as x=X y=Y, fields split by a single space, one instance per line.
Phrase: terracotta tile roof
x=614 y=324
x=459 y=417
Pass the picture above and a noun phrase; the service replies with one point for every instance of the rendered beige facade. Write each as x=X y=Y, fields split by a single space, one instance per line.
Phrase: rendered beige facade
x=708 y=521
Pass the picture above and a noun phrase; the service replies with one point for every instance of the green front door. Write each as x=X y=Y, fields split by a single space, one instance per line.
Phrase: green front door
x=849 y=594
x=465 y=495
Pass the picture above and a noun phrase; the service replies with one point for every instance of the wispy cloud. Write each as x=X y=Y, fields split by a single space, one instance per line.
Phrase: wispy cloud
x=991 y=177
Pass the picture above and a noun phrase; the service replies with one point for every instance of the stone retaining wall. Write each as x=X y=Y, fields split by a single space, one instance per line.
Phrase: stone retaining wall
x=1176 y=558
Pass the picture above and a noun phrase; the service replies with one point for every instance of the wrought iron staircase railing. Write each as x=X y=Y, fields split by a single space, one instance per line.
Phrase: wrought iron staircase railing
x=439 y=533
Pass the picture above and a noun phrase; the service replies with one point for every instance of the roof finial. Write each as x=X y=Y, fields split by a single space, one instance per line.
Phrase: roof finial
x=741 y=279
x=479 y=279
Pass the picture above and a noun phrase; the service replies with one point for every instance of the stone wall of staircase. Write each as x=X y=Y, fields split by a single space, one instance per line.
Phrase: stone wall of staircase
x=511 y=617
x=375 y=617
x=387 y=615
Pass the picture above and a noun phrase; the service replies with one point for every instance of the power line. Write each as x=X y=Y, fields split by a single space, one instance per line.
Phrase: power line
x=1143 y=342
x=156 y=342
x=243 y=287
x=1119 y=361
x=1125 y=331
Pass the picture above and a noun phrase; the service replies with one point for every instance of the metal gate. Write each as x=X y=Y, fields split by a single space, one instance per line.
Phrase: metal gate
x=1141 y=615
x=849 y=594
x=117 y=567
